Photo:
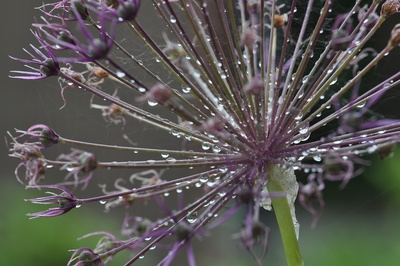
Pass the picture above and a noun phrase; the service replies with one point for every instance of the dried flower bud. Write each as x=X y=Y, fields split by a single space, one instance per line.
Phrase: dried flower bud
x=99 y=72
x=386 y=151
x=128 y=9
x=65 y=201
x=389 y=8
x=249 y=37
x=143 y=226
x=351 y=121
x=159 y=93
x=279 y=20
x=46 y=135
x=85 y=256
x=255 y=86
x=98 y=49
x=213 y=125
x=255 y=233
x=106 y=244
x=79 y=8
x=76 y=76
x=253 y=6
x=183 y=231
x=395 y=36
x=245 y=195
x=88 y=162
x=49 y=68
x=65 y=36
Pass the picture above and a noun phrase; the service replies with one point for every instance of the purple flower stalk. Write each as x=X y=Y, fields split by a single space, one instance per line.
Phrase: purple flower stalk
x=260 y=104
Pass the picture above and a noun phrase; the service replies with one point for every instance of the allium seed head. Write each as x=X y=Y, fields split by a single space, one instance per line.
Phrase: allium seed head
x=243 y=106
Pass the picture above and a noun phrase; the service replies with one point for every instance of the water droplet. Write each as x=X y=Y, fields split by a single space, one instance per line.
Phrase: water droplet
x=175 y=133
x=317 y=158
x=361 y=105
x=222 y=193
x=191 y=217
x=152 y=102
x=206 y=146
x=333 y=81
x=372 y=149
x=171 y=160
x=164 y=155
x=186 y=89
x=216 y=149
x=172 y=19
x=102 y=202
x=386 y=85
x=223 y=169
x=203 y=179
x=151 y=162
x=299 y=116
x=120 y=74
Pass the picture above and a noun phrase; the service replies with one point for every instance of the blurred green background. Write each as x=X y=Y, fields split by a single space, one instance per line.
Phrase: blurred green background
x=360 y=224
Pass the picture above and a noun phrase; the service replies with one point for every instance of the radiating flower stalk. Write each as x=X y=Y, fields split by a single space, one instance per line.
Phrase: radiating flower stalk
x=263 y=100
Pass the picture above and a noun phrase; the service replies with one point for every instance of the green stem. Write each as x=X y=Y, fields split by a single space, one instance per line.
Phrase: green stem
x=286 y=227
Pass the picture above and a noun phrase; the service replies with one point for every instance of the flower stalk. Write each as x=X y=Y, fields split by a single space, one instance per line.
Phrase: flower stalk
x=283 y=214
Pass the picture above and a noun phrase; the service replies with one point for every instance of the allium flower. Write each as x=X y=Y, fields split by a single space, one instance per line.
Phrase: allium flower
x=261 y=102
x=65 y=201
x=85 y=256
x=48 y=64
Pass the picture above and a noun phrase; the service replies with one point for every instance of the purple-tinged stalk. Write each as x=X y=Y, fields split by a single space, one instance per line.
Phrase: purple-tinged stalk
x=245 y=89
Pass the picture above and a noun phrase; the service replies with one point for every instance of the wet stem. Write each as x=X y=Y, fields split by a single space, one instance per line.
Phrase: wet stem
x=286 y=227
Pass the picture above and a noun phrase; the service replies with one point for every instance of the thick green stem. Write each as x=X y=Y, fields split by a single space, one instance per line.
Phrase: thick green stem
x=286 y=227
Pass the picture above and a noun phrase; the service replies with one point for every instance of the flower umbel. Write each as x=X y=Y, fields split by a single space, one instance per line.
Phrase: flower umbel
x=258 y=104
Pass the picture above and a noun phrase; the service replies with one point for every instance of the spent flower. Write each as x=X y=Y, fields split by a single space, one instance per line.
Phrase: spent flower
x=261 y=102
x=66 y=201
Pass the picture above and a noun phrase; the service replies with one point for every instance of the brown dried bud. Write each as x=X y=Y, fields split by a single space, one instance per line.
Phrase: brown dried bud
x=99 y=72
x=73 y=75
x=395 y=36
x=159 y=93
x=389 y=8
x=249 y=37
x=386 y=150
x=255 y=86
x=279 y=20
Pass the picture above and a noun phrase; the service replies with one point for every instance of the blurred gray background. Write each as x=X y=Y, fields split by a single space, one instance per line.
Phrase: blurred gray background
x=359 y=225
